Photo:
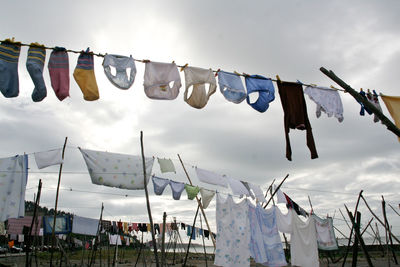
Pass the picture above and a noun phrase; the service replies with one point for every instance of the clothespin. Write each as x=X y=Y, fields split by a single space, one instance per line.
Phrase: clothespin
x=313 y=85
x=59 y=48
x=245 y=74
x=369 y=91
x=146 y=61
x=361 y=90
x=184 y=66
x=278 y=78
x=237 y=73
x=334 y=88
x=36 y=44
x=216 y=73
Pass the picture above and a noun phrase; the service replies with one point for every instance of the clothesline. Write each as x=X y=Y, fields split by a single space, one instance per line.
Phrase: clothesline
x=145 y=61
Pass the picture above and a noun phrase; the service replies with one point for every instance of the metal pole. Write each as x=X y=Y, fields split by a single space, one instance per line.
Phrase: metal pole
x=55 y=206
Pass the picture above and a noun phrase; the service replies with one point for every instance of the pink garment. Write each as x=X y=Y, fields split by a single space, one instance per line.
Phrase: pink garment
x=59 y=73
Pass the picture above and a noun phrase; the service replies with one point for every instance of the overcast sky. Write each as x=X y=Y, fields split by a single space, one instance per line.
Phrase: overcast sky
x=358 y=40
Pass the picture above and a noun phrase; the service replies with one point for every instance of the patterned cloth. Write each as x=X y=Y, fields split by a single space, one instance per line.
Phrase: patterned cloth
x=13 y=179
x=265 y=243
x=117 y=170
x=233 y=233
x=325 y=234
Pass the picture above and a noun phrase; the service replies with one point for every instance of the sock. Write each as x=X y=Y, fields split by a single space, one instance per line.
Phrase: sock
x=35 y=64
x=59 y=72
x=85 y=78
x=9 y=55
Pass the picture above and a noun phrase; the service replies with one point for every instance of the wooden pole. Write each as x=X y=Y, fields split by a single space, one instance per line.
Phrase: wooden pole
x=163 y=240
x=393 y=209
x=379 y=239
x=389 y=124
x=191 y=234
x=387 y=224
x=53 y=237
x=276 y=190
x=368 y=224
x=269 y=188
x=99 y=228
x=309 y=201
x=355 y=244
x=28 y=241
x=204 y=244
x=357 y=233
x=199 y=203
x=148 y=203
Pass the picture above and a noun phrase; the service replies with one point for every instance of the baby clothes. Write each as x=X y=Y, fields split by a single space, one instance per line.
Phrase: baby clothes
x=211 y=178
x=159 y=184
x=373 y=99
x=85 y=78
x=265 y=89
x=231 y=87
x=295 y=114
x=327 y=100
x=35 y=65
x=257 y=192
x=166 y=165
x=326 y=238
x=237 y=187
x=121 y=64
x=198 y=78
x=177 y=188
x=246 y=184
x=158 y=78
x=9 y=55
x=191 y=191
x=393 y=105
x=206 y=196
x=59 y=72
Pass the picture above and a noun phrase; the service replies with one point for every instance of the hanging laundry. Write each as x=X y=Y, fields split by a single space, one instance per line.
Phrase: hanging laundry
x=156 y=228
x=120 y=227
x=207 y=234
x=159 y=184
x=237 y=187
x=257 y=192
x=135 y=227
x=265 y=243
x=393 y=105
x=246 y=184
x=233 y=233
x=191 y=191
x=373 y=99
x=280 y=196
x=231 y=86
x=290 y=204
x=303 y=238
x=166 y=165
x=121 y=64
x=158 y=78
x=117 y=170
x=63 y=224
x=9 y=55
x=326 y=238
x=48 y=158
x=13 y=179
x=59 y=72
x=211 y=178
x=191 y=232
x=199 y=78
x=328 y=100
x=84 y=226
x=363 y=108
x=295 y=114
x=206 y=196
x=125 y=228
x=35 y=65
x=183 y=226
x=2 y=229
x=177 y=188
x=114 y=227
x=85 y=77
x=265 y=89
x=115 y=240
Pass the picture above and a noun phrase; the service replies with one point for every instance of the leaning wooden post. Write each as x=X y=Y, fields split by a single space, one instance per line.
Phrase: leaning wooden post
x=28 y=242
x=387 y=224
x=355 y=244
x=276 y=190
x=99 y=228
x=148 y=203
x=204 y=244
x=389 y=124
x=53 y=237
x=163 y=240
x=191 y=234
x=199 y=203
x=394 y=209
x=357 y=233
x=309 y=201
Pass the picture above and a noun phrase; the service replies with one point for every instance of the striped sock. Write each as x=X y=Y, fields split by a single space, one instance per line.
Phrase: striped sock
x=59 y=72
x=35 y=65
x=9 y=55
x=85 y=78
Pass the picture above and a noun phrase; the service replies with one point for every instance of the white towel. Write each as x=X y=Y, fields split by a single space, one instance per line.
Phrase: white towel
x=48 y=158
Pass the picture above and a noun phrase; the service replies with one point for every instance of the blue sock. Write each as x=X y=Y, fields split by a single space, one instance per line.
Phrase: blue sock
x=9 y=55
x=35 y=65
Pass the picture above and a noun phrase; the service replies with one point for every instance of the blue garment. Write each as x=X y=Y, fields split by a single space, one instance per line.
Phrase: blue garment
x=265 y=89
x=231 y=87
x=9 y=55
x=177 y=189
x=190 y=232
x=159 y=184
x=265 y=243
x=363 y=108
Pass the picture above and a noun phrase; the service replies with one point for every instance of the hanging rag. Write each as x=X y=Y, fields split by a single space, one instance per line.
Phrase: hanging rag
x=328 y=100
x=158 y=78
x=206 y=196
x=363 y=108
x=231 y=86
x=373 y=99
x=198 y=78
x=295 y=114
x=257 y=192
x=326 y=238
x=246 y=184
x=177 y=188
x=13 y=179
x=265 y=243
x=237 y=187
x=84 y=226
x=166 y=165
x=59 y=72
x=85 y=77
x=290 y=204
x=117 y=170
x=191 y=191
x=265 y=89
x=393 y=106
x=9 y=55
x=211 y=178
x=48 y=158
x=35 y=65
x=233 y=233
x=159 y=184
x=280 y=196
x=122 y=65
